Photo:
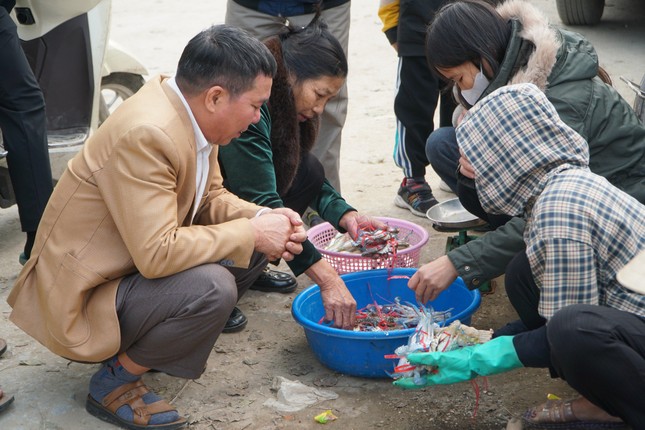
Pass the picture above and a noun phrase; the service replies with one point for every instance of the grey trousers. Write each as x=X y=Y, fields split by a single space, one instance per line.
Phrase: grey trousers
x=262 y=25
x=171 y=324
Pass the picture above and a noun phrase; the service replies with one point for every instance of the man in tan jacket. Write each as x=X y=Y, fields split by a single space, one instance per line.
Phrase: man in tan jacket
x=142 y=254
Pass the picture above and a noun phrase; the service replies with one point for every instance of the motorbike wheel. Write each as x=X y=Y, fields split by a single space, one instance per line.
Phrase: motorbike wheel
x=639 y=102
x=580 y=12
x=115 y=88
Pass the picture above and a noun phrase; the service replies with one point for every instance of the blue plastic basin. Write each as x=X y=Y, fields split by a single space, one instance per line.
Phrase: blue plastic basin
x=362 y=353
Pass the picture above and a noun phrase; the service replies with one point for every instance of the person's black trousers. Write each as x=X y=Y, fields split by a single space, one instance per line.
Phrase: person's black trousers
x=600 y=352
x=24 y=128
x=417 y=96
x=522 y=291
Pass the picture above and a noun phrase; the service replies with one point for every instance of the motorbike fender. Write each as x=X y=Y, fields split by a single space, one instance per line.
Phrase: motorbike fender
x=49 y=14
x=117 y=59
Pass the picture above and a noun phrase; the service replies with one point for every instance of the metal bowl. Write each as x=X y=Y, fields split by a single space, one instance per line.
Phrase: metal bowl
x=451 y=214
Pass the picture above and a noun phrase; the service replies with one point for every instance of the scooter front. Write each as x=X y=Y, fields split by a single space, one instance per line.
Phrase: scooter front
x=65 y=43
x=82 y=74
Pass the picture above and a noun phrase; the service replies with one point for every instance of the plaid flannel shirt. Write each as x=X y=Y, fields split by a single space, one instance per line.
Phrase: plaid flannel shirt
x=580 y=229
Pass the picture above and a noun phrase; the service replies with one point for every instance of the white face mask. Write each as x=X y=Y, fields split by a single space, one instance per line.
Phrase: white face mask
x=480 y=84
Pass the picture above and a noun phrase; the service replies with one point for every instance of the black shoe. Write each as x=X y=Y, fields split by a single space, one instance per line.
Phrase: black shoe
x=272 y=281
x=236 y=322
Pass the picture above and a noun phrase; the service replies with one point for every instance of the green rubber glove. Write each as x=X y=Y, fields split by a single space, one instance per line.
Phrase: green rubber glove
x=495 y=356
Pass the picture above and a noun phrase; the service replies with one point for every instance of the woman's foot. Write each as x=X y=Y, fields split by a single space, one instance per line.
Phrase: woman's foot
x=583 y=409
x=577 y=413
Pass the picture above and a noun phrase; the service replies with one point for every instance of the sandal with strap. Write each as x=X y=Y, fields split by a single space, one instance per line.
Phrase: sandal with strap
x=558 y=414
x=131 y=394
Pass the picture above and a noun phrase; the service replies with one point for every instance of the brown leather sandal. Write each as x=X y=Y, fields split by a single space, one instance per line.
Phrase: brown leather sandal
x=558 y=414
x=131 y=394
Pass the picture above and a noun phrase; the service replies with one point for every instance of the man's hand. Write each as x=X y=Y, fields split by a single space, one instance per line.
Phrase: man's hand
x=276 y=236
x=353 y=222
x=432 y=278
x=338 y=302
x=298 y=236
x=293 y=216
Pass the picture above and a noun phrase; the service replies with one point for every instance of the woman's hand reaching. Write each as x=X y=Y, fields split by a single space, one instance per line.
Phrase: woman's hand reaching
x=353 y=222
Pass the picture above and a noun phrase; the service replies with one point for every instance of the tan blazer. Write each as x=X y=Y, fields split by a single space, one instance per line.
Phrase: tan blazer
x=124 y=204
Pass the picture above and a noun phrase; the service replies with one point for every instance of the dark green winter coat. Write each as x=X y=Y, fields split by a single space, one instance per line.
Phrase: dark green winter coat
x=565 y=66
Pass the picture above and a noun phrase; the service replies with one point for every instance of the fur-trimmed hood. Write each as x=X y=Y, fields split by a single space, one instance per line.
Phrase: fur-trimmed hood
x=290 y=139
x=535 y=29
x=558 y=55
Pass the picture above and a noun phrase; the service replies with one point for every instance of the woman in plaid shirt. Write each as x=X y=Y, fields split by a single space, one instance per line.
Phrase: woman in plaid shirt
x=580 y=231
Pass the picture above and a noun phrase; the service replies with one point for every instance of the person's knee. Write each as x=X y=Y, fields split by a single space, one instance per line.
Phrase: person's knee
x=443 y=154
x=214 y=287
x=568 y=330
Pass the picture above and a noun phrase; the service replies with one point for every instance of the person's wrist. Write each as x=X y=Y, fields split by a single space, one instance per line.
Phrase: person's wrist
x=323 y=274
x=262 y=211
x=448 y=264
x=347 y=218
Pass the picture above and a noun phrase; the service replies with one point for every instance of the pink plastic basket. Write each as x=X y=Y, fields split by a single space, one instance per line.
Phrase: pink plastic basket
x=345 y=262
